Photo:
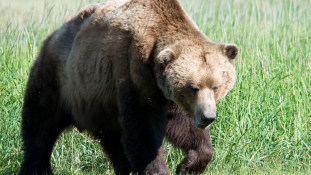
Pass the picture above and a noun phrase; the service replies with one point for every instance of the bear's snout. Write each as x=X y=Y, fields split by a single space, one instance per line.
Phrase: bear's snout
x=208 y=119
x=205 y=118
x=205 y=110
x=203 y=126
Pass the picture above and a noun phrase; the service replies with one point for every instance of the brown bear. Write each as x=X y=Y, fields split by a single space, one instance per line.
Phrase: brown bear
x=129 y=73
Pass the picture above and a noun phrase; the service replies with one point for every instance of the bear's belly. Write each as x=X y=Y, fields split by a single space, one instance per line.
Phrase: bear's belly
x=96 y=117
x=94 y=111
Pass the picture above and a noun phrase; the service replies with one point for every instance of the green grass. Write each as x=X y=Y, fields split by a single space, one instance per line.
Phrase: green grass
x=263 y=125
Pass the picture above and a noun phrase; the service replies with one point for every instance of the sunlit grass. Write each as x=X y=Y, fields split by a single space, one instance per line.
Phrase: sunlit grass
x=263 y=124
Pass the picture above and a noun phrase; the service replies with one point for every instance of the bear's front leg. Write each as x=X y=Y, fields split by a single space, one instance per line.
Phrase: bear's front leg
x=195 y=143
x=143 y=129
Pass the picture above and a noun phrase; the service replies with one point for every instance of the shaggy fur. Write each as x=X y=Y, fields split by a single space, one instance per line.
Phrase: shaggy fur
x=129 y=73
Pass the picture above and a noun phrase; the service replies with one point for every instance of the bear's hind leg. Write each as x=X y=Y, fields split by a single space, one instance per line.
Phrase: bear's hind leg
x=43 y=119
x=39 y=136
x=40 y=127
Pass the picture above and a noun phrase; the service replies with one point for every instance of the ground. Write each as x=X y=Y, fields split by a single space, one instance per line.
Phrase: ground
x=265 y=126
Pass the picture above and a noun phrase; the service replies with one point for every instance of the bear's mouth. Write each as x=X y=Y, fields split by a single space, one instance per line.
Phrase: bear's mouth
x=198 y=125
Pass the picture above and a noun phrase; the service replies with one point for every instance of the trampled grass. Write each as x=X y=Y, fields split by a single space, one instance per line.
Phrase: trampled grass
x=263 y=125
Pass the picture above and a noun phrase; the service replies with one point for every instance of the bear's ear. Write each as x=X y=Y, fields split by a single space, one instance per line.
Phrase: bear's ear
x=165 y=57
x=231 y=51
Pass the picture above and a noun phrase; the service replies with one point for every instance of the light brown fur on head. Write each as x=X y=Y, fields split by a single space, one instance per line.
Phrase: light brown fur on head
x=196 y=76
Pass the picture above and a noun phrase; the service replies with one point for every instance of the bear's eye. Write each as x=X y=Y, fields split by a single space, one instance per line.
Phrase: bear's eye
x=194 y=89
x=215 y=88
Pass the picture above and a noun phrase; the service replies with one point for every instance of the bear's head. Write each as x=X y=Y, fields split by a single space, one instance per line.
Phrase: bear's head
x=196 y=77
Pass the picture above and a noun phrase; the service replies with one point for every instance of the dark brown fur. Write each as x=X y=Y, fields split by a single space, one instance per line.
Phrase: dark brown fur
x=195 y=143
x=100 y=72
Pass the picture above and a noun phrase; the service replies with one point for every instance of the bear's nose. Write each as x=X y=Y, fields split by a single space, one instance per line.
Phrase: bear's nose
x=208 y=118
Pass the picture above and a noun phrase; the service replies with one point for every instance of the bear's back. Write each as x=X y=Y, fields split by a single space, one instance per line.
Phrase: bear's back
x=60 y=43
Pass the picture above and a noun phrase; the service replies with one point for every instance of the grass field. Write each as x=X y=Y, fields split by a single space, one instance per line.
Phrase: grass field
x=263 y=125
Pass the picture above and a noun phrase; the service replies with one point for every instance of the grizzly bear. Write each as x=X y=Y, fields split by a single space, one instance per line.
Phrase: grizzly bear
x=129 y=73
